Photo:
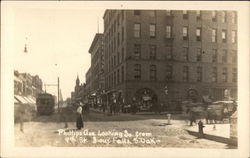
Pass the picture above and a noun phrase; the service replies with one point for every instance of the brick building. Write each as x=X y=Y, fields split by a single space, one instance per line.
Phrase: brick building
x=189 y=53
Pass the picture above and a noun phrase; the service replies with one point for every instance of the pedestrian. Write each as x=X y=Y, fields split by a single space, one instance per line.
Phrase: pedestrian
x=200 y=126
x=192 y=118
x=79 y=119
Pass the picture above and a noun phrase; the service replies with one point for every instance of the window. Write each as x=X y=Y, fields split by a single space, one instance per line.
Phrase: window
x=185 y=74
x=118 y=76
x=234 y=37
x=223 y=17
x=168 y=31
x=185 y=33
x=224 y=36
x=122 y=54
x=199 y=54
x=214 y=35
x=169 y=55
x=168 y=12
x=152 y=33
x=214 y=16
x=118 y=39
x=214 y=74
x=198 y=15
x=118 y=19
x=198 y=34
x=137 y=51
x=137 y=12
x=112 y=80
x=234 y=56
x=185 y=53
x=122 y=33
x=137 y=68
x=185 y=14
x=169 y=73
x=234 y=75
x=114 y=61
x=114 y=26
x=152 y=72
x=234 y=17
x=199 y=74
x=214 y=55
x=137 y=30
x=122 y=74
x=115 y=78
x=224 y=75
x=152 y=13
x=224 y=56
x=118 y=58
x=152 y=52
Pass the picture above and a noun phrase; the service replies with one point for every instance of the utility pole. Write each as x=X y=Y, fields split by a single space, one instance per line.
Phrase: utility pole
x=58 y=88
x=58 y=92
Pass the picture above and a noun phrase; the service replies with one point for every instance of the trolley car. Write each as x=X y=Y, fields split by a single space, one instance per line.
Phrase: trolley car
x=45 y=104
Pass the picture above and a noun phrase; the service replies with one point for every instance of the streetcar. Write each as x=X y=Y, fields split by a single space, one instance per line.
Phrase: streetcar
x=45 y=104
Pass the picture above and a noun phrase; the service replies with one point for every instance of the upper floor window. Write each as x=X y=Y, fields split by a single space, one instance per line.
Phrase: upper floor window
x=137 y=12
x=122 y=33
x=199 y=54
x=234 y=56
x=169 y=55
x=152 y=52
x=137 y=69
x=224 y=36
x=185 y=74
x=123 y=54
x=214 y=16
x=137 y=30
x=152 y=31
x=152 y=13
x=137 y=51
x=168 y=12
x=234 y=36
x=214 y=35
x=223 y=17
x=234 y=18
x=152 y=75
x=198 y=14
x=214 y=74
x=198 y=34
x=234 y=75
x=122 y=73
x=185 y=53
x=185 y=14
x=168 y=31
x=185 y=33
x=199 y=74
x=169 y=73
x=224 y=75
x=214 y=55
x=224 y=56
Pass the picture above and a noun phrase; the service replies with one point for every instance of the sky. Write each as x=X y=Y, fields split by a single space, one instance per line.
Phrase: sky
x=57 y=39
x=59 y=34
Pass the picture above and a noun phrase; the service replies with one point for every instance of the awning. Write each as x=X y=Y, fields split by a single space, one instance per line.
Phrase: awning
x=32 y=99
x=21 y=99
x=16 y=101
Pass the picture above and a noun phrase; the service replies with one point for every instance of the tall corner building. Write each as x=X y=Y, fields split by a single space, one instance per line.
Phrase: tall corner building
x=167 y=56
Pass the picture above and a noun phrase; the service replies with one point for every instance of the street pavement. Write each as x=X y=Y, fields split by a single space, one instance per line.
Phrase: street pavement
x=142 y=130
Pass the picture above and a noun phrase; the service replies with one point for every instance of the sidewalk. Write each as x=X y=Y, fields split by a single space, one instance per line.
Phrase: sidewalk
x=221 y=133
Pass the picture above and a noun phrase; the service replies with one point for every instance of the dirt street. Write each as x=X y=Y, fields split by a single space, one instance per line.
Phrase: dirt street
x=125 y=130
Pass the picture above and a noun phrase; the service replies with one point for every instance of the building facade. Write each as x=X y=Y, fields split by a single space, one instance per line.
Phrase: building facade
x=27 y=85
x=163 y=56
